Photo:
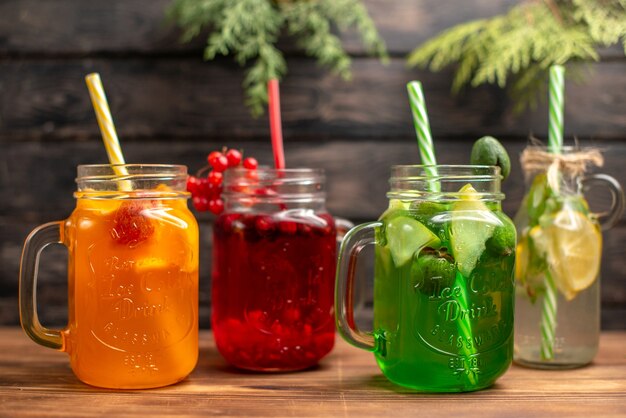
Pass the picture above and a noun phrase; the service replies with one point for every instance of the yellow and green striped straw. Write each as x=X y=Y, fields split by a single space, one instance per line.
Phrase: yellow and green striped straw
x=427 y=154
x=107 y=128
x=555 y=144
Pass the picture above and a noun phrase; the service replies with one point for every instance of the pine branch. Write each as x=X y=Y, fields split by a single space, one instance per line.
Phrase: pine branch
x=307 y=22
x=249 y=29
x=523 y=43
x=352 y=13
x=606 y=21
x=195 y=15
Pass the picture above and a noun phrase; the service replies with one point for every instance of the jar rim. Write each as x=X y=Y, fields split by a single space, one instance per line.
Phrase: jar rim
x=444 y=182
x=298 y=170
x=101 y=170
x=274 y=186
x=444 y=165
x=124 y=180
x=446 y=171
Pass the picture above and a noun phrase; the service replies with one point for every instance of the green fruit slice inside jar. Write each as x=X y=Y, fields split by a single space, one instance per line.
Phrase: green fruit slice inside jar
x=471 y=225
x=405 y=237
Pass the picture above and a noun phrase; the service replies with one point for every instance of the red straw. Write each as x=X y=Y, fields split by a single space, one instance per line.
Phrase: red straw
x=276 y=128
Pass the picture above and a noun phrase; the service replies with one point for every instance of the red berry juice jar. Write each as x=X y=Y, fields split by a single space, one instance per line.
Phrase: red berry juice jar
x=274 y=255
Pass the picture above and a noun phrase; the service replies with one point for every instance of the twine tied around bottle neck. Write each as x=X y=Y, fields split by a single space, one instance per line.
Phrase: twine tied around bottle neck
x=570 y=165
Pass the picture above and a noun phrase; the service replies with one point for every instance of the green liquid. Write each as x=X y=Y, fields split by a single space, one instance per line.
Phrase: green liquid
x=436 y=329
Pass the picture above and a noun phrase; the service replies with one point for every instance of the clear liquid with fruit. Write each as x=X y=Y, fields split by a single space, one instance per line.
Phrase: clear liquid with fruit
x=273 y=288
x=559 y=237
x=444 y=293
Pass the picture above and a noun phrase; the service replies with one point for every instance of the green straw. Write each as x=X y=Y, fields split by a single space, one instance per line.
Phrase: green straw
x=422 y=130
x=555 y=128
x=555 y=144
x=427 y=154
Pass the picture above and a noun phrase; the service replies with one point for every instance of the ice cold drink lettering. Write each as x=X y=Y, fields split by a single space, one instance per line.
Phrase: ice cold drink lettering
x=452 y=310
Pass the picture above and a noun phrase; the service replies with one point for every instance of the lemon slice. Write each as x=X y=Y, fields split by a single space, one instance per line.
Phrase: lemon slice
x=471 y=225
x=574 y=249
x=522 y=259
x=405 y=236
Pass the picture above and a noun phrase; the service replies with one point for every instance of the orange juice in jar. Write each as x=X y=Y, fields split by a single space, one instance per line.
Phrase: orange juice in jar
x=133 y=278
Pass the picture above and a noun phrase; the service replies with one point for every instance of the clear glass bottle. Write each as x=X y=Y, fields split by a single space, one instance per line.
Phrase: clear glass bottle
x=559 y=248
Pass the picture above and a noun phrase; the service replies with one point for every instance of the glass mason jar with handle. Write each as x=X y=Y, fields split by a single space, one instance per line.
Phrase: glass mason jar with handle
x=557 y=321
x=133 y=277
x=443 y=281
x=274 y=258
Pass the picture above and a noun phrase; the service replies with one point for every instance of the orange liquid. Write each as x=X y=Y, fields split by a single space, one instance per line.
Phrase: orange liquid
x=133 y=292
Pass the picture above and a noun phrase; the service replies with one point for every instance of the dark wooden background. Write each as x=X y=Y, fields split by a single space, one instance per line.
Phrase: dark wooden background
x=171 y=107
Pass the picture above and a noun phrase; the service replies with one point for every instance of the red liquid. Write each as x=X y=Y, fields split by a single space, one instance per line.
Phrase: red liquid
x=273 y=289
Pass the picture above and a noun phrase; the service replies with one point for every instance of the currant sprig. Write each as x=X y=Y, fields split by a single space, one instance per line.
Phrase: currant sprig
x=206 y=189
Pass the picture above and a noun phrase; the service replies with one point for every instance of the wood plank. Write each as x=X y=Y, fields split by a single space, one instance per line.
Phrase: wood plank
x=186 y=98
x=38 y=177
x=347 y=383
x=75 y=27
x=123 y=26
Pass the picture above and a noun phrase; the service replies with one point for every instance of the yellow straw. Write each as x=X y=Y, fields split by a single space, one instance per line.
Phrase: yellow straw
x=107 y=128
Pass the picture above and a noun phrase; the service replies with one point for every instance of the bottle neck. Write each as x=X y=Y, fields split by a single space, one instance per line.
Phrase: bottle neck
x=563 y=171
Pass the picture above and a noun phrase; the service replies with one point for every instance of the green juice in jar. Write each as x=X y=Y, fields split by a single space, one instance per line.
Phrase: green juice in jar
x=444 y=294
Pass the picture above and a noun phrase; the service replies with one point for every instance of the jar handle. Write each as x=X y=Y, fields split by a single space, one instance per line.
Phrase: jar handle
x=343 y=226
x=353 y=243
x=36 y=241
x=609 y=218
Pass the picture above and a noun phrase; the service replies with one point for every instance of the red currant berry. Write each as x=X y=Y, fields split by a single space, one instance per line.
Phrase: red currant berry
x=252 y=175
x=234 y=158
x=201 y=203
x=215 y=192
x=264 y=224
x=288 y=227
x=206 y=189
x=304 y=229
x=250 y=163
x=216 y=206
x=213 y=156
x=215 y=178
x=193 y=184
x=220 y=163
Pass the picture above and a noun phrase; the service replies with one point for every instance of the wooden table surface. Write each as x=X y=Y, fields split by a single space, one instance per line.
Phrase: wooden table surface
x=35 y=381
